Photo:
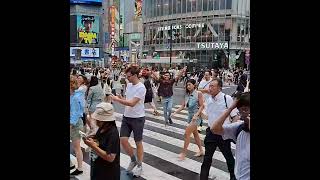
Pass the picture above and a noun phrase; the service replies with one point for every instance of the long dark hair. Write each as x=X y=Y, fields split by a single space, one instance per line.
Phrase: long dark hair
x=93 y=82
x=192 y=81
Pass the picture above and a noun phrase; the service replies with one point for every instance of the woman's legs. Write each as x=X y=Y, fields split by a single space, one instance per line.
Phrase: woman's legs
x=191 y=128
x=77 y=149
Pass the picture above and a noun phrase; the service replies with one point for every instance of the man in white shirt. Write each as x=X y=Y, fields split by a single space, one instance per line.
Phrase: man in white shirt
x=239 y=132
x=217 y=103
x=133 y=118
x=204 y=88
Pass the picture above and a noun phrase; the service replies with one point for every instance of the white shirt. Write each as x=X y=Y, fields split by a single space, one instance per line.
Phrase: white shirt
x=242 y=164
x=216 y=106
x=138 y=91
x=205 y=85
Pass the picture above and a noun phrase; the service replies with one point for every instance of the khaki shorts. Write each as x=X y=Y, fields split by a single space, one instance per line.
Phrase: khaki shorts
x=74 y=132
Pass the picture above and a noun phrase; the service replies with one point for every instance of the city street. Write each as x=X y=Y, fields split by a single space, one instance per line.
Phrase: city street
x=162 y=146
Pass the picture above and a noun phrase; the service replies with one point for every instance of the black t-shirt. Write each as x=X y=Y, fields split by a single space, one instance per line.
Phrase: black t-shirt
x=165 y=88
x=101 y=169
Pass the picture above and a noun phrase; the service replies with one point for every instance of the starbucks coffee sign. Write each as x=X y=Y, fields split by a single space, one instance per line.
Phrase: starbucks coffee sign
x=212 y=45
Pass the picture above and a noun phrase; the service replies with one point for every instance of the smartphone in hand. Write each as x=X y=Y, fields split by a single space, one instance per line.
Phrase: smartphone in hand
x=83 y=135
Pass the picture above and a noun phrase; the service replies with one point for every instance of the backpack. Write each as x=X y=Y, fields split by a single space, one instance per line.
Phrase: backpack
x=148 y=86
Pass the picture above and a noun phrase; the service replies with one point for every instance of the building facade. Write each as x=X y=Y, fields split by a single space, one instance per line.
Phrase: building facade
x=206 y=33
x=86 y=33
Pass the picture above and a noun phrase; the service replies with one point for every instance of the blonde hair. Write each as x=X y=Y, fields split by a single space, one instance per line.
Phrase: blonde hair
x=73 y=83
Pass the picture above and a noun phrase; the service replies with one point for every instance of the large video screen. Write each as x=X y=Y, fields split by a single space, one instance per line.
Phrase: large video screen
x=88 y=29
x=85 y=1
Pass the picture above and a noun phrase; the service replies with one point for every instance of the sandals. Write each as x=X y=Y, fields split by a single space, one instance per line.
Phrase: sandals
x=198 y=154
x=182 y=157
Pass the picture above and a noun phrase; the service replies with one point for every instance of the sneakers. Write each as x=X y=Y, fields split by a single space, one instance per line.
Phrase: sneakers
x=137 y=171
x=131 y=166
x=72 y=167
x=170 y=121
x=76 y=172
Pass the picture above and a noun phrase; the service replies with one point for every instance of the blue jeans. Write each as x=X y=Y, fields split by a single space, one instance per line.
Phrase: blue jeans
x=167 y=106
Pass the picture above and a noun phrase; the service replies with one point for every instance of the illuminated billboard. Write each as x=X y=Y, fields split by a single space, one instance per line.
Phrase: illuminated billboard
x=88 y=29
x=98 y=2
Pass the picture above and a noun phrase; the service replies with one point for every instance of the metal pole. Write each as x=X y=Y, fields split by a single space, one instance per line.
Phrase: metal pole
x=228 y=51
x=170 y=43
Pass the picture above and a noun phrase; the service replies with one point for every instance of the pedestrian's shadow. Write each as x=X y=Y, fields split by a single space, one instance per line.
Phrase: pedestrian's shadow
x=124 y=175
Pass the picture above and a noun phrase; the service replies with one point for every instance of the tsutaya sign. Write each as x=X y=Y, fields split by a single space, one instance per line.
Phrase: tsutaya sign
x=212 y=45
x=177 y=26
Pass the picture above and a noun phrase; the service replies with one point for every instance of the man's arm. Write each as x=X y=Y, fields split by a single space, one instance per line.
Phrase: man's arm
x=217 y=125
x=154 y=76
x=180 y=74
x=132 y=102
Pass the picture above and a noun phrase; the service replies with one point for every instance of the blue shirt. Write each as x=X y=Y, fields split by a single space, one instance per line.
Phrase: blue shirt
x=77 y=104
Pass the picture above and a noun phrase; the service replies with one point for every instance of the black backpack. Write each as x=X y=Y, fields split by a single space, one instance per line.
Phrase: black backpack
x=148 y=86
x=240 y=128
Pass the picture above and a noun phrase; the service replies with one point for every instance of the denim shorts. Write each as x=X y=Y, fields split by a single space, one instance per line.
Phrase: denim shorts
x=132 y=124
x=74 y=132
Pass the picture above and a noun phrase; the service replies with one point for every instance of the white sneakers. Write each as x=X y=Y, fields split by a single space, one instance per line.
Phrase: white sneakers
x=131 y=166
x=135 y=169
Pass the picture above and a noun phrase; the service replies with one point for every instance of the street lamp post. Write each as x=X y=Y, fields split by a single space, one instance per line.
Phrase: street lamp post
x=170 y=44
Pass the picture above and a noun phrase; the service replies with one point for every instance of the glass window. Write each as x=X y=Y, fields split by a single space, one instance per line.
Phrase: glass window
x=227 y=35
x=210 y=4
x=178 y=7
x=153 y=8
x=183 y=7
x=221 y=32
x=228 y=4
x=216 y=4
x=238 y=32
x=205 y=5
x=174 y=4
x=216 y=29
x=170 y=6
x=165 y=6
x=189 y=6
x=222 y=4
x=159 y=8
x=199 y=8
x=194 y=5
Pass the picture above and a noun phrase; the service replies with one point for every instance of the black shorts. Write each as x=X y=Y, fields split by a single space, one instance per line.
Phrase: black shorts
x=132 y=124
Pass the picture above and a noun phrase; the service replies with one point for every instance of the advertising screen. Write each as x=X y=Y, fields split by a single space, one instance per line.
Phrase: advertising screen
x=85 y=1
x=88 y=29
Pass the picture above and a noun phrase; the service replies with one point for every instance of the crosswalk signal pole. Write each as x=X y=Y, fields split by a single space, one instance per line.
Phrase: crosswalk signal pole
x=170 y=44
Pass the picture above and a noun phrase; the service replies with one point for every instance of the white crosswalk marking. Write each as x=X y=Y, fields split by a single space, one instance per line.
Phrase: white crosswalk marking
x=176 y=142
x=149 y=172
x=85 y=168
x=152 y=171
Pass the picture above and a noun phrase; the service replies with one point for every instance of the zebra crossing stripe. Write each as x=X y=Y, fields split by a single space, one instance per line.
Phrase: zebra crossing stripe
x=176 y=121
x=148 y=172
x=189 y=164
x=183 y=116
x=176 y=142
x=168 y=128
x=85 y=168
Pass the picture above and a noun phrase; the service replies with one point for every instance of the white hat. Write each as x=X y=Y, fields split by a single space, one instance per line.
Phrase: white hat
x=104 y=112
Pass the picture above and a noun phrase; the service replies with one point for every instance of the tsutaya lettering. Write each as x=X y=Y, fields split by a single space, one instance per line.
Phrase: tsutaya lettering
x=219 y=45
x=187 y=26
